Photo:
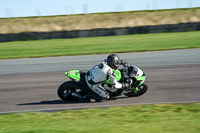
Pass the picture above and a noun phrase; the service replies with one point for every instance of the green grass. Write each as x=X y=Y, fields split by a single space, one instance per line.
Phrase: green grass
x=174 y=118
x=100 y=45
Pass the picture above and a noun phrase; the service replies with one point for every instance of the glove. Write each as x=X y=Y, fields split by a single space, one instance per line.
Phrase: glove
x=125 y=86
x=123 y=62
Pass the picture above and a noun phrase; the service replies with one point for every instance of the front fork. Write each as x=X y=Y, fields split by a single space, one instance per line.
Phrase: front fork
x=135 y=86
x=139 y=81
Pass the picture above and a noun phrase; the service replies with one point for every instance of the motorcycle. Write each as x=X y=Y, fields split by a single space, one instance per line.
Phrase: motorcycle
x=77 y=88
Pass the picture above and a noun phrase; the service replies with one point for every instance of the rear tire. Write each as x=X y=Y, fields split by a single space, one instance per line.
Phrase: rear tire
x=142 y=89
x=64 y=91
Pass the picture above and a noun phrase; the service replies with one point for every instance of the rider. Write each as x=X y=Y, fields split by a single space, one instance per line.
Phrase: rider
x=100 y=73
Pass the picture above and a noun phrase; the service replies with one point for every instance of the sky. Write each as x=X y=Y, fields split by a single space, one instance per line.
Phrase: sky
x=26 y=8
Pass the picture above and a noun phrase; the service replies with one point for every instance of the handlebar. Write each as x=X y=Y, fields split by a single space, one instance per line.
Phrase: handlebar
x=125 y=68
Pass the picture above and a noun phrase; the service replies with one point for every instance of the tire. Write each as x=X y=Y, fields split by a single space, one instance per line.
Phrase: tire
x=142 y=89
x=64 y=91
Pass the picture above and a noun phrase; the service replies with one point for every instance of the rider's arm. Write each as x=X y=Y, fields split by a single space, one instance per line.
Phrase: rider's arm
x=112 y=77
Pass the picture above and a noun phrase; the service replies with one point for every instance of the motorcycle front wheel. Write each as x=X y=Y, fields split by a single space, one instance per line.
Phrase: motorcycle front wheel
x=141 y=90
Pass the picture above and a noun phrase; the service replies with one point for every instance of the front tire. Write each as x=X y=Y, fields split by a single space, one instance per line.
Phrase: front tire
x=64 y=91
x=142 y=89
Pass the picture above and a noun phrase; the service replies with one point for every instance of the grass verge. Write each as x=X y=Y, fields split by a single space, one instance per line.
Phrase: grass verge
x=100 y=45
x=168 y=118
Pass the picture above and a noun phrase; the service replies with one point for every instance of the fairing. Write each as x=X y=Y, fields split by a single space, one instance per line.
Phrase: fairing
x=75 y=74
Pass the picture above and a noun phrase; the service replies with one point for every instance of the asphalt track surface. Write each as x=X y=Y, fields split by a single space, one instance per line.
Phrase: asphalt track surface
x=31 y=84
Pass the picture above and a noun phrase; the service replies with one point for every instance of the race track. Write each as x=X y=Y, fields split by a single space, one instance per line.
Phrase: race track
x=31 y=84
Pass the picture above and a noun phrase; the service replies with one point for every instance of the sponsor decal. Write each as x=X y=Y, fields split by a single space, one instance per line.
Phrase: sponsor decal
x=71 y=73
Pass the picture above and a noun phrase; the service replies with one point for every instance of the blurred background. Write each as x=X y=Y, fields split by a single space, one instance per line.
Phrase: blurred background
x=49 y=15
x=27 y=8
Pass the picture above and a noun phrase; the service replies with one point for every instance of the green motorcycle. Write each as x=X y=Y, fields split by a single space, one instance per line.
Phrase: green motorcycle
x=77 y=89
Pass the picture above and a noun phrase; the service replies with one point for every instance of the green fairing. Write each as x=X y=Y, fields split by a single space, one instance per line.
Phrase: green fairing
x=118 y=76
x=75 y=74
x=141 y=79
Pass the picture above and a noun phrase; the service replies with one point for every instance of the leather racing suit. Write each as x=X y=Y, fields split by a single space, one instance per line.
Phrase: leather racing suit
x=98 y=75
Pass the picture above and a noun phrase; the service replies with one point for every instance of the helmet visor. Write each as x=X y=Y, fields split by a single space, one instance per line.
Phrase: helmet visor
x=116 y=64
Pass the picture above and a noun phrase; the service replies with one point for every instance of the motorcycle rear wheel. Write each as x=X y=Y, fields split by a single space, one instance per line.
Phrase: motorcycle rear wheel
x=142 y=89
x=64 y=91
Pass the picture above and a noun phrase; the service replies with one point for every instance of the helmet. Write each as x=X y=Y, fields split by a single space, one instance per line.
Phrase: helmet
x=113 y=61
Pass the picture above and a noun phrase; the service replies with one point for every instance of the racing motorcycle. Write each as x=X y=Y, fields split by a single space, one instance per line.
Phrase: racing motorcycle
x=77 y=88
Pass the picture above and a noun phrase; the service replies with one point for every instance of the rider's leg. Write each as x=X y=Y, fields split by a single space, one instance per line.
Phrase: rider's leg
x=98 y=89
